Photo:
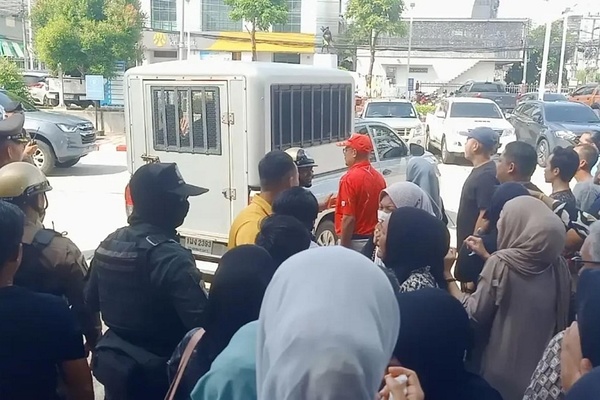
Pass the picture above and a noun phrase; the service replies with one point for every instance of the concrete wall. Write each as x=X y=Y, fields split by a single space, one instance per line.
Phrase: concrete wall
x=111 y=121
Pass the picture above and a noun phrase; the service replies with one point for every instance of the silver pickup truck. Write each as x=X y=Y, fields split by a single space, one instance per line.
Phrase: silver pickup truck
x=495 y=91
x=390 y=157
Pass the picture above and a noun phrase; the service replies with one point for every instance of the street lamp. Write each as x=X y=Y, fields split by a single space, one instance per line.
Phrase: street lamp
x=563 y=48
x=410 y=29
x=544 y=71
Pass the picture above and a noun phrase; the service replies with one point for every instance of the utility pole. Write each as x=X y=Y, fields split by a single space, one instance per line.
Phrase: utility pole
x=410 y=32
x=26 y=54
x=544 y=71
x=525 y=58
x=181 y=44
x=30 y=37
x=563 y=49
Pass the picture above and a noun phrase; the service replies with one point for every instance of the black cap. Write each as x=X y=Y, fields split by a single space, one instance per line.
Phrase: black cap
x=11 y=128
x=161 y=178
x=484 y=135
x=13 y=106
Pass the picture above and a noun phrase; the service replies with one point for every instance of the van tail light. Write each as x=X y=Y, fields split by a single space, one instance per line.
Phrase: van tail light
x=128 y=201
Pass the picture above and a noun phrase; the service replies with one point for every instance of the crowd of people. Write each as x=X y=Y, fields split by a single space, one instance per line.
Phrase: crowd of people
x=394 y=311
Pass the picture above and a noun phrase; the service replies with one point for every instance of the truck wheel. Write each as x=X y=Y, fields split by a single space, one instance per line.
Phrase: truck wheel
x=44 y=157
x=68 y=164
x=447 y=157
x=543 y=152
x=326 y=235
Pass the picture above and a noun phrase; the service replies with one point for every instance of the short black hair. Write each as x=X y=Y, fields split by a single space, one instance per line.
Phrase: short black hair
x=524 y=157
x=274 y=167
x=12 y=224
x=588 y=153
x=567 y=162
x=595 y=136
x=283 y=236
x=299 y=203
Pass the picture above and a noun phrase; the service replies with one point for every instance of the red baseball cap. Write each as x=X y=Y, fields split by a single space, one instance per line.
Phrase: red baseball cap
x=359 y=142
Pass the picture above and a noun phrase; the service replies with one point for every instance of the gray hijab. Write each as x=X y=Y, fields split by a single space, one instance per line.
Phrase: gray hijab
x=425 y=175
x=407 y=194
x=327 y=328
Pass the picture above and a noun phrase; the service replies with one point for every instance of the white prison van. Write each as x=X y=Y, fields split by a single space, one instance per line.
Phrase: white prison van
x=217 y=119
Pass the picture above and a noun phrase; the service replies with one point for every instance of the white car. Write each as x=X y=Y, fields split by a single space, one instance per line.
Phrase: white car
x=400 y=114
x=37 y=83
x=454 y=117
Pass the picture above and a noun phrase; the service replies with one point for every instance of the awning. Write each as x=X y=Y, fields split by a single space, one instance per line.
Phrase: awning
x=11 y=48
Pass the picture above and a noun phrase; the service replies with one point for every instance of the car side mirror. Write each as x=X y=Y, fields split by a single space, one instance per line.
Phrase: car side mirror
x=416 y=150
x=440 y=114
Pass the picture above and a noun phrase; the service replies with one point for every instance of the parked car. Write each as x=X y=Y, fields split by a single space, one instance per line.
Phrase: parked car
x=44 y=89
x=390 y=157
x=37 y=83
x=62 y=139
x=400 y=114
x=587 y=94
x=495 y=91
x=547 y=97
x=546 y=125
x=454 y=117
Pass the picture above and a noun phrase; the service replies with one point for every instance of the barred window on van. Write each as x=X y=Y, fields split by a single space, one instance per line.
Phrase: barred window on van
x=186 y=119
x=309 y=115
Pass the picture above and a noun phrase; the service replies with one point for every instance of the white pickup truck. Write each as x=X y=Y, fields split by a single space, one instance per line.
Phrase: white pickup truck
x=400 y=114
x=453 y=117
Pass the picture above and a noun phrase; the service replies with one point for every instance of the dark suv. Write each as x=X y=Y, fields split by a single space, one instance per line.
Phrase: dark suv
x=62 y=139
x=546 y=125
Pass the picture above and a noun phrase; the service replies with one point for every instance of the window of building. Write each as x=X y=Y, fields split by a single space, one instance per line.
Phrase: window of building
x=309 y=115
x=215 y=17
x=286 y=58
x=293 y=24
x=186 y=119
x=163 y=15
x=165 y=54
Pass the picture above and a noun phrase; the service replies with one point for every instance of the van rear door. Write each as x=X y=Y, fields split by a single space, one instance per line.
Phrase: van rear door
x=189 y=126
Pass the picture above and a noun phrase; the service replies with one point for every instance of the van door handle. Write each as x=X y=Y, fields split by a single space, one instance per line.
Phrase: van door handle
x=386 y=171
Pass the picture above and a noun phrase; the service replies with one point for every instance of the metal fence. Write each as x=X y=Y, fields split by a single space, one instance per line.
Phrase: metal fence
x=440 y=87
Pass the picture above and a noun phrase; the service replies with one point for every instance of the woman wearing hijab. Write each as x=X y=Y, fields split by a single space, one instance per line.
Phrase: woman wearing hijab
x=232 y=375
x=522 y=297
x=401 y=194
x=327 y=328
x=474 y=253
x=425 y=175
x=235 y=297
x=413 y=244
x=435 y=334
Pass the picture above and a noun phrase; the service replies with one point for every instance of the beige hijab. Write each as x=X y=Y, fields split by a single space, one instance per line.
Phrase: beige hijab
x=531 y=239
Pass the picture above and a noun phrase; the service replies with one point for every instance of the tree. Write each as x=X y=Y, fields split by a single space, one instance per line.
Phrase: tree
x=87 y=36
x=261 y=14
x=535 y=44
x=372 y=18
x=11 y=78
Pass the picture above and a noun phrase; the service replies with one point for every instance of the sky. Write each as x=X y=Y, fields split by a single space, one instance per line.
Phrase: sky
x=537 y=10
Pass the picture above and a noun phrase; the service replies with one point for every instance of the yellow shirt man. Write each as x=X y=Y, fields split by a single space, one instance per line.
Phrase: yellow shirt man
x=246 y=226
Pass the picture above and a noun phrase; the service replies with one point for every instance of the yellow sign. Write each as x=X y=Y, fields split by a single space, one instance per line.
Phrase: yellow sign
x=159 y=39
x=275 y=42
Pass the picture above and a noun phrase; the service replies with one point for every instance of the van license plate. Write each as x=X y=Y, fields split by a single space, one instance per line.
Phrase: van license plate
x=199 y=245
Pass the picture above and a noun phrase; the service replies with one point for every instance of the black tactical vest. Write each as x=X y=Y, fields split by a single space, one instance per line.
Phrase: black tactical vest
x=33 y=273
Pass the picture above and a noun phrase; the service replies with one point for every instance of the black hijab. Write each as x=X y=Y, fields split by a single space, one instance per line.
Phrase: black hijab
x=235 y=298
x=587 y=387
x=416 y=239
x=434 y=336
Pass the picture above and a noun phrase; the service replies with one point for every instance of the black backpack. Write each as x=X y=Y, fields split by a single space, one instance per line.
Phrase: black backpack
x=32 y=273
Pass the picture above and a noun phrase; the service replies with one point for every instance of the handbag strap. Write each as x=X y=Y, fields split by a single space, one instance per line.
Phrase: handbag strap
x=185 y=358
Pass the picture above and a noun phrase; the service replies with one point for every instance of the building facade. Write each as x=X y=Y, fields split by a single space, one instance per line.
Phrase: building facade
x=210 y=33
x=485 y=9
x=13 y=38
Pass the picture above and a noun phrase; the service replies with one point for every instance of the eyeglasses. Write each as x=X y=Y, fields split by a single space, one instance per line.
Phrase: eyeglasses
x=580 y=262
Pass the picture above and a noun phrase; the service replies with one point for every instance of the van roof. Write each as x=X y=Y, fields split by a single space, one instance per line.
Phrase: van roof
x=470 y=100
x=232 y=68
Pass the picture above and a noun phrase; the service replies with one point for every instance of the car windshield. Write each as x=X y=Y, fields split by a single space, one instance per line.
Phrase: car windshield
x=7 y=97
x=571 y=113
x=487 y=87
x=475 y=110
x=390 y=110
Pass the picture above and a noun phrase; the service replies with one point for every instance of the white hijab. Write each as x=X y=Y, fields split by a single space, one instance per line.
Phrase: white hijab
x=327 y=328
x=408 y=194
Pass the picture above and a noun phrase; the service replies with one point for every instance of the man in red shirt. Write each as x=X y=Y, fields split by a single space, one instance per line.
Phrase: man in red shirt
x=358 y=194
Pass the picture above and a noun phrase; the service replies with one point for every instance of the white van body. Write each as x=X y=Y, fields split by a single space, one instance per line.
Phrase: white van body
x=246 y=109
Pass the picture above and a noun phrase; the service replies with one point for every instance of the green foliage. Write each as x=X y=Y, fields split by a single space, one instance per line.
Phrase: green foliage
x=424 y=109
x=371 y=18
x=262 y=14
x=87 y=36
x=535 y=43
x=11 y=78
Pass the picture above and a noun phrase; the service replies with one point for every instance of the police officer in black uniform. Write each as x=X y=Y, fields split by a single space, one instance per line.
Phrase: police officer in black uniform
x=147 y=287
x=13 y=139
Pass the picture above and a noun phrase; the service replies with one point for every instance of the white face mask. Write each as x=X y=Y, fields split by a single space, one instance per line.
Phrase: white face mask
x=382 y=216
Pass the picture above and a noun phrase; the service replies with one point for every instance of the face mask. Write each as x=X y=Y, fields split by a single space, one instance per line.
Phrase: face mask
x=382 y=216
